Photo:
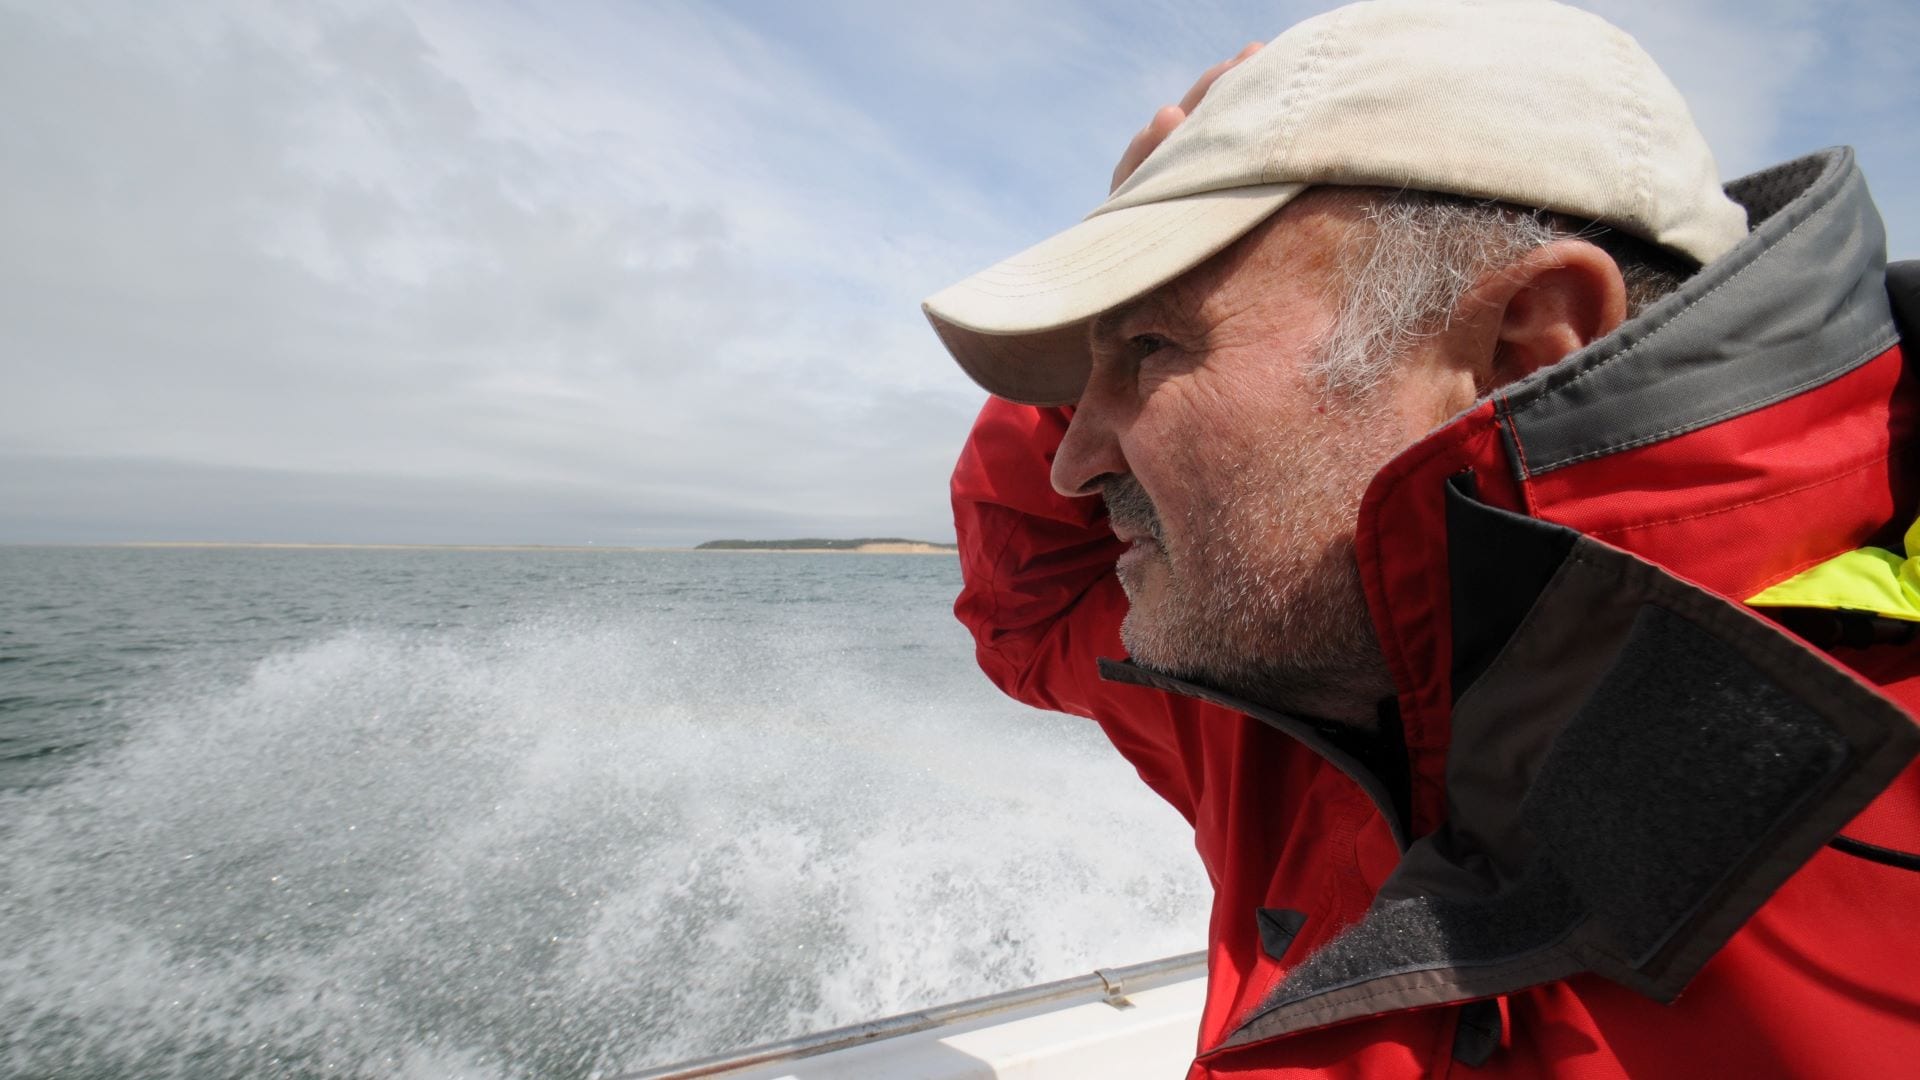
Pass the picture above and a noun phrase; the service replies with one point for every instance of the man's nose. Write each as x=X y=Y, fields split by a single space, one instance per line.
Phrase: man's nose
x=1089 y=452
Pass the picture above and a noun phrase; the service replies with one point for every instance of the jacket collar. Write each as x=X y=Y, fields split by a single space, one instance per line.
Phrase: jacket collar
x=1588 y=831
x=1669 y=439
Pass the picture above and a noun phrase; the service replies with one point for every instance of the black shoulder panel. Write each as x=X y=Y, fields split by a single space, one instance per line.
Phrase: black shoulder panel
x=1278 y=927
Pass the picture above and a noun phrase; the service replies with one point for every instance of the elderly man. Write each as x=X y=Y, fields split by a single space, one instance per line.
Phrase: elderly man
x=1504 y=525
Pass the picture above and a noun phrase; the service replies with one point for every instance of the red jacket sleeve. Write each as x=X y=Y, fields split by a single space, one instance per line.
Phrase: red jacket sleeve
x=1041 y=599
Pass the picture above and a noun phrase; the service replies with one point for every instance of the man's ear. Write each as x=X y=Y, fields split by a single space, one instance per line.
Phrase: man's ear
x=1548 y=304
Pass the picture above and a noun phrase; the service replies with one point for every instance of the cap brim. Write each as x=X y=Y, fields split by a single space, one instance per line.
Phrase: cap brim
x=1019 y=326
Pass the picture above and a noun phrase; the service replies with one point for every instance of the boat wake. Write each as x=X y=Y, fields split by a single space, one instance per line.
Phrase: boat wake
x=566 y=846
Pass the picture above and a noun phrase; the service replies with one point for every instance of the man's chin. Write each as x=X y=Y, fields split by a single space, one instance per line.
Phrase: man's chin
x=1344 y=687
x=1159 y=630
x=1149 y=638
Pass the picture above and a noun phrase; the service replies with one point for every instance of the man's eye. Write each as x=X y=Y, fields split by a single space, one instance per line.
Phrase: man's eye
x=1144 y=345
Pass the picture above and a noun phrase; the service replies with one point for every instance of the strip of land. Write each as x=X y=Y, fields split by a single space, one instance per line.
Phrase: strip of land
x=866 y=545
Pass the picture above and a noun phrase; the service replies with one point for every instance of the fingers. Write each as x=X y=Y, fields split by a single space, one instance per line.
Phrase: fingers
x=1146 y=140
x=1169 y=117
x=1206 y=80
x=1204 y=83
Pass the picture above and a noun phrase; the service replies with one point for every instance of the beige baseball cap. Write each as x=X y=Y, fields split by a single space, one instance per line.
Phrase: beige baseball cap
x=1526 y=102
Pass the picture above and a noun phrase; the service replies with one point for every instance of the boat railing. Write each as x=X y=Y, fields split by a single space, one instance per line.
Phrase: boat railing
x=1106 y=984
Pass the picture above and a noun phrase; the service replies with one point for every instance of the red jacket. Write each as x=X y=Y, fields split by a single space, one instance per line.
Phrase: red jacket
x=1601 y=843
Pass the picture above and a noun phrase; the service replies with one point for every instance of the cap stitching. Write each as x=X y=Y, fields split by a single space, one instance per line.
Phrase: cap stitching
x=1083 y=255
x=1280 y=148
x=1081 y=272
x=1639 y=125
x=1193 y=202
x=1069 y=259
x=1159 y=236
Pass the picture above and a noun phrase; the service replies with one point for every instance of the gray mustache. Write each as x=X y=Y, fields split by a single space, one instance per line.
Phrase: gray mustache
x=1129 y=509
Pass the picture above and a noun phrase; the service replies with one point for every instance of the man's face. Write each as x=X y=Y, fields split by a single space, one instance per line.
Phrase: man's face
x=1236 y=477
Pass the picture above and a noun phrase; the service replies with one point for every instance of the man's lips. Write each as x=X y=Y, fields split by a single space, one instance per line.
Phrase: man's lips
x=1140 y=547
x=1128 y=532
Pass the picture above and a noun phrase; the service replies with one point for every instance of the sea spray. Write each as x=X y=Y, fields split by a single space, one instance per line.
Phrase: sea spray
x=662 y=807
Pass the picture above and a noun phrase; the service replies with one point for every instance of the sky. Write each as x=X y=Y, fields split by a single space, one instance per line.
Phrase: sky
x=621 y=273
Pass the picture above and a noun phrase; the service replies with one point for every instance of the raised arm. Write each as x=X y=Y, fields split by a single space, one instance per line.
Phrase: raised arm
x=1040 y=595
x=1043 y=603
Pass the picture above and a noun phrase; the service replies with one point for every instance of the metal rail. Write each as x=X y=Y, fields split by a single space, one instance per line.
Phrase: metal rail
x=1109 y=984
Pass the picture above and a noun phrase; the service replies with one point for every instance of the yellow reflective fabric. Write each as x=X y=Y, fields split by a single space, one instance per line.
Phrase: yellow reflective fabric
x=1870 y=579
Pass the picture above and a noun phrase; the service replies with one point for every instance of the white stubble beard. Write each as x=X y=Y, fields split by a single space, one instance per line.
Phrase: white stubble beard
x=1268 y=604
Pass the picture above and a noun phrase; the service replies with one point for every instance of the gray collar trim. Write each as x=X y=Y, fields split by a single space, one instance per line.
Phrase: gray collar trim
x=1799 y=302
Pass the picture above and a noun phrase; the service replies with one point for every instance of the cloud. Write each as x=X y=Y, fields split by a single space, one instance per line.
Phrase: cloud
x=652 y=256
x=363 y=244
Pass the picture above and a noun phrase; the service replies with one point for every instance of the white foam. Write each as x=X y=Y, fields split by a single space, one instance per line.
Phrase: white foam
x=571 y=844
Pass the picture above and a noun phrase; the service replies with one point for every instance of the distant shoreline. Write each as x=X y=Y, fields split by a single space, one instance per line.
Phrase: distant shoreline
x=910 y=548
x=820 y=545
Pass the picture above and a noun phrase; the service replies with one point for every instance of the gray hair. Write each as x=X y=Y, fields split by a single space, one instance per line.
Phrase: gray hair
x=1417 y=253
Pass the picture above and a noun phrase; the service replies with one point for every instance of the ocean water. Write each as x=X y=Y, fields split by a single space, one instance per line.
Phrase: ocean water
x=529 y=814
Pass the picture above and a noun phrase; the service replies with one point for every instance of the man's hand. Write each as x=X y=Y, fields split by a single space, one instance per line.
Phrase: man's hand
x=1169 y=117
